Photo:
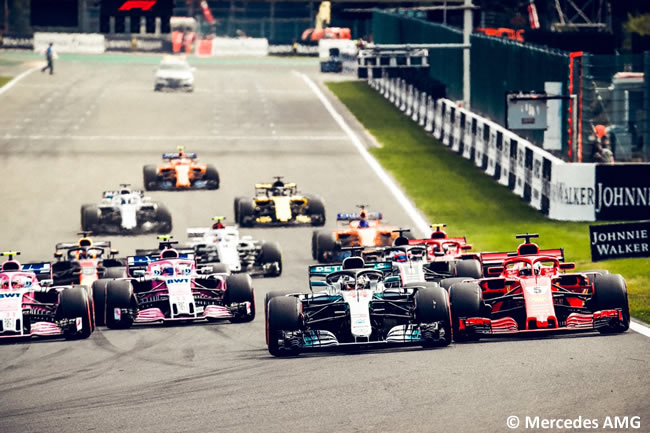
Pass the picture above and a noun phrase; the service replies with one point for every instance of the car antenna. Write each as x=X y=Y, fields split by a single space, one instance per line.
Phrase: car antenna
x=527 y=236
x=10 y=254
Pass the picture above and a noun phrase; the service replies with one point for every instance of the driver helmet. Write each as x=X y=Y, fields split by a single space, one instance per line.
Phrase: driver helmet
x=167 y=270
x=363 y=282
x=18 y=282
x=347 y=283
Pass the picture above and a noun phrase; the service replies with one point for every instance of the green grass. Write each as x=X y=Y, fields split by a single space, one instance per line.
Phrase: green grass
x=450 y=189
x=4 y=80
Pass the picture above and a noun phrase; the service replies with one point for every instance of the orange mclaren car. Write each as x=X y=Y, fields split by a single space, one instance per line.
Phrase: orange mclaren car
x=180 y=171
x=363 y=229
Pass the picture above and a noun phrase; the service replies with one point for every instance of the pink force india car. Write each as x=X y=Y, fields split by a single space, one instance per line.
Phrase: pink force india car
x=30 y=306
x=168 y=287
x=529 y=291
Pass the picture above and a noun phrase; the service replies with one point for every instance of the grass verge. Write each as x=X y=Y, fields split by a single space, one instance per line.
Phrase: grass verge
x=450 y=189
x=4 y=80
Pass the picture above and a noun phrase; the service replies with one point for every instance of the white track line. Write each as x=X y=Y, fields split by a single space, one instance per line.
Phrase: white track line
x=413 y=213
x=16 y=79
x=409 y=208
x=640 y=328
x=175 y=138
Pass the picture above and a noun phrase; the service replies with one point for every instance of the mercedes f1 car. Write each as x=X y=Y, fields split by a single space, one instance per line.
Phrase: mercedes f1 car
x=30 y=306
x=169 y=287
x=363 y=229
x=279 y=203
x=223 y=244
x=126 y=211
x=85 y=261
x=354 y=309
x=528 y=291
x=180 y=171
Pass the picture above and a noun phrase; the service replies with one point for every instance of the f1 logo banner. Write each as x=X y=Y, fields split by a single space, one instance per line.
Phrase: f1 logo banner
x=622 y=192
x=617 y=241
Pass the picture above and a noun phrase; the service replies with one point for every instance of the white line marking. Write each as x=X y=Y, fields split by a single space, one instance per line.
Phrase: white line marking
x=178 y=138
x=413 y=213
x=401 y=197
x=640 y=328
x=13 y=82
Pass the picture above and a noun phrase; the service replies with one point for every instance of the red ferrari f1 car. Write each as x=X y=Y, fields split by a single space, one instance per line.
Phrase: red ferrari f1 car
x=528 y=291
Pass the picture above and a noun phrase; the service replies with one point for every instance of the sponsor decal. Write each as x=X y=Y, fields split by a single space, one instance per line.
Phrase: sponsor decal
x=615 y=241
x=622 y=192
x=9 y=295
x=178 y=281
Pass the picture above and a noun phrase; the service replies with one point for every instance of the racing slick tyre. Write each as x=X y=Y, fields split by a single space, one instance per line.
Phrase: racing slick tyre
x=591 y=275
x=271 y=255
x=236 y=208
x=468 y=269
x=75 y=305
x=325 y=246
x=115 y=272
x=212 y=177
x=283 y=315
x=163 y=219
x=610 y=292
x=119 y=296
x=465 y=300
x=446 y=283
x=432 y=306
x=150 y=177
x=314 y=243
x=89 y=217
x=157 y=88
x=239 y=289
x=246 y=212
x=99 y=301
x=317 y=211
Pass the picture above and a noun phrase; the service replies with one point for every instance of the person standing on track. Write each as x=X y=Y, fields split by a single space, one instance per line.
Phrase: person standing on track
x=49 y=56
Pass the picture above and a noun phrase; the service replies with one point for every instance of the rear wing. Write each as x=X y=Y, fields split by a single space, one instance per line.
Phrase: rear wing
x=497 y=258
x=69 y=245
x=176 y=155
x=43 y=271
x=197 y=232
x=372 y=216
x=461 y=240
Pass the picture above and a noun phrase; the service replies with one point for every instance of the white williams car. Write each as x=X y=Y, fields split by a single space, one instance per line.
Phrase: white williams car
x=223 y=244
x=126 y=211
x=174 y=74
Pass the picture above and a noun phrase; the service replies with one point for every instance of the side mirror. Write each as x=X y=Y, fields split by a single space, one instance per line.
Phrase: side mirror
x=114 y=252
x=466 y=247
x=567 y=266
x=58 y=254
x=138 y=273
x=438 y=253
x=494 y=271
x=46 y=282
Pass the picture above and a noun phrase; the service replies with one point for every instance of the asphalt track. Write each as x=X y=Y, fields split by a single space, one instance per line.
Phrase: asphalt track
x=91 y=126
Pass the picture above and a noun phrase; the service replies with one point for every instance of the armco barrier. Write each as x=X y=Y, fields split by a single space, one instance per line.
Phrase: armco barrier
x=231 y=47
x=134 y=43
x=560 y=190
x=88 y=43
